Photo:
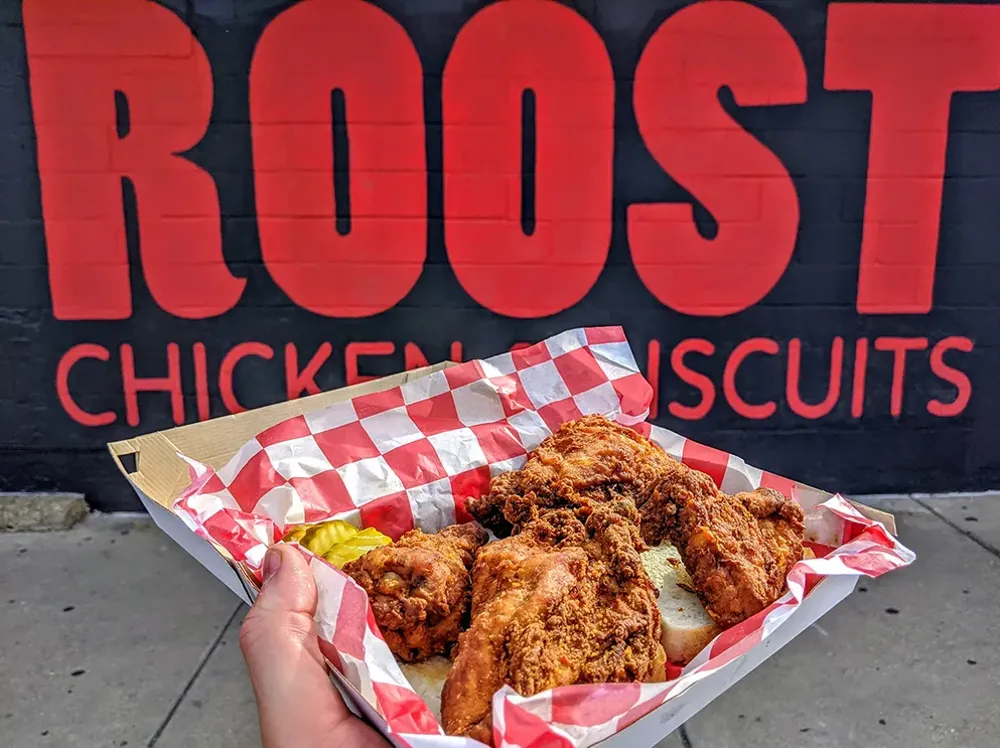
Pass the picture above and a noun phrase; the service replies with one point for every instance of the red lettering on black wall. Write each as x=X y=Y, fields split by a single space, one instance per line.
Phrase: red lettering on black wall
x=860 y=375
x=228 y=366
x=414 y=358
x=794 y=379
x=653 y=376
x=694 y=378
x=303 y=380
x=952 y=376
x=202 y=400
x=913 y=58
x=899 y=348
x=355 y=351
x=306 y=54
x=70 y=359
x=561 y=59
x=742 y=184
x=736 y=359
x=133 y=384
x=80 y=55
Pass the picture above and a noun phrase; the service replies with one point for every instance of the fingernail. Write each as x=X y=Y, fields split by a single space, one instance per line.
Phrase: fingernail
x=272 y=562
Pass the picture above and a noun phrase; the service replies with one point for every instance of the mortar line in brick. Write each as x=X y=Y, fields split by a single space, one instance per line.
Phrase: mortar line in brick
x=995 y=552
x=194 y=676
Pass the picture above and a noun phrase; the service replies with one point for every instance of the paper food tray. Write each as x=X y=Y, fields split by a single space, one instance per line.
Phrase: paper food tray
x=408 y=451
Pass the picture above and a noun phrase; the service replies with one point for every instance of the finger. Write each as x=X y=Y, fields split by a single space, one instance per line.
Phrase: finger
x=289 y=585
x=296 y=701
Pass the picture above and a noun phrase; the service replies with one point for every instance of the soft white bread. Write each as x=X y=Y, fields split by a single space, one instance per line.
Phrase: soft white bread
x=427 y=679
x=687 y=627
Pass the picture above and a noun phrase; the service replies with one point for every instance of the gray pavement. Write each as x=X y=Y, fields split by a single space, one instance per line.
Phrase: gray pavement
x=111 y=636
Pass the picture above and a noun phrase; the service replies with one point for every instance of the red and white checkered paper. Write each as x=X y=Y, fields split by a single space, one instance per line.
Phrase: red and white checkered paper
x=411 y=456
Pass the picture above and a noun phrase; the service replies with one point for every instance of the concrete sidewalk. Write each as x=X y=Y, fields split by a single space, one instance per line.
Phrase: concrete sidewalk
x=111 y=636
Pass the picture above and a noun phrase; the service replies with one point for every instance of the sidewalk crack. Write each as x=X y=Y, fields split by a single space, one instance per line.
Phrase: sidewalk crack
x=685 y=738
x=194 y=676
x=958 y=528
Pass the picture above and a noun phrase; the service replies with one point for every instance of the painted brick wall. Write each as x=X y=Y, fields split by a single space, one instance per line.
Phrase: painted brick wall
x=822 y=143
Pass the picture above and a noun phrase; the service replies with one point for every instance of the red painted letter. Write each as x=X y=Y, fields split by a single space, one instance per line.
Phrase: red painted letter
x=737 y=403
x=653 y=376
x=899 y=347
x=66 y=364
x=794 y=376
x=912 y=57
x=414 y=358
x=952 y=376
x=201 y=381
x=80 y=55
x=171 y=383
x=860 y=375
x=690 y=57
x=355 y=351
x=368 y=259
x=506 y=260
x=304 y=380
x=696 y=379
x=228 y=366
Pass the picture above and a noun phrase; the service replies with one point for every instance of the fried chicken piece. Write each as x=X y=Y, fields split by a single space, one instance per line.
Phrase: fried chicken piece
x=420 y=588
x=659 y=514
x=737 y=549
x=781 y=522
x=564 y=601
x=586 y=460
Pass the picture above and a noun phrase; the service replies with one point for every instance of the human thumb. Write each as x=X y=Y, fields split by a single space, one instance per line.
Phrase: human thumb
x=289 y=587
x=279 y=642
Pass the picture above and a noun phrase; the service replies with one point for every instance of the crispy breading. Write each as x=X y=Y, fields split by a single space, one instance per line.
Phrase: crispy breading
x=562 y=602
x=589 y=459
x=420 y=588
x=737 y=549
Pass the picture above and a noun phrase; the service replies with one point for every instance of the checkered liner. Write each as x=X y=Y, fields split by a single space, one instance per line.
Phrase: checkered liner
x=413 y=455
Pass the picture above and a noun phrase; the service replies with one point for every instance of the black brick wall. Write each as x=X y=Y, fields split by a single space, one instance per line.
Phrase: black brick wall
x=823 y=144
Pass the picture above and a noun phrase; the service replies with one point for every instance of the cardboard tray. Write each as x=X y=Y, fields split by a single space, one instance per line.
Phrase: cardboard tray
x=158 y=475
x=151 y=465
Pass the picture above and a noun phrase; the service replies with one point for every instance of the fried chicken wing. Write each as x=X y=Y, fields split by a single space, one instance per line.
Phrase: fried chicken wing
x=420 y=588
x=564 y=601
x=737 y=549
x=586 y=460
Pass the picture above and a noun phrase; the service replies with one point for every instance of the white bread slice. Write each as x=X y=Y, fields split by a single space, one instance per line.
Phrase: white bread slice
x=687 y=627
x=427 y=679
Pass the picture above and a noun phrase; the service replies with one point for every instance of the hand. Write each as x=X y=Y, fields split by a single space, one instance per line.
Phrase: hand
x=298 y=705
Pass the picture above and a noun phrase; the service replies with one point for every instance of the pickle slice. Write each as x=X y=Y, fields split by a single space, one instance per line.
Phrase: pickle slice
x=356 y=547
x=296 y=535
x=337 y=541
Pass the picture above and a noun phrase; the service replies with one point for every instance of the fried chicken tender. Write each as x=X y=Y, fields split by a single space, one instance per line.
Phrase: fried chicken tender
x=564 y=601
x=586 y=460
x=737 y=549
x=420 y=588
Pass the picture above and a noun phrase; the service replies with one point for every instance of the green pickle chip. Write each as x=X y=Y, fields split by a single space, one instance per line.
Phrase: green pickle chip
x=337 y=541
x=295 y=535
